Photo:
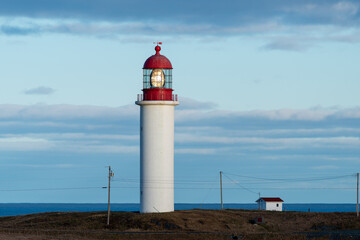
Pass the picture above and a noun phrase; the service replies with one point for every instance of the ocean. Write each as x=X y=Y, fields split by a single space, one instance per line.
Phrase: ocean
x=13 y=209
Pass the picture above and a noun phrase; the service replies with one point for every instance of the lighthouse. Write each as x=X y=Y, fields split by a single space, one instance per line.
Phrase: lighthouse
x=157 y=106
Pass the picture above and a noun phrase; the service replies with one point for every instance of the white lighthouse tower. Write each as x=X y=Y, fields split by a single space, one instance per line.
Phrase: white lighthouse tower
x=157 y=105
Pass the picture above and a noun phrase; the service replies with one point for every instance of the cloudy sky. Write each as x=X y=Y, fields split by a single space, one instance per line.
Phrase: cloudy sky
x=269 y=94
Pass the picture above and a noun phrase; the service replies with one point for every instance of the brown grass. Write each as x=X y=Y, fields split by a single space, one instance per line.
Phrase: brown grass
x=184 y=224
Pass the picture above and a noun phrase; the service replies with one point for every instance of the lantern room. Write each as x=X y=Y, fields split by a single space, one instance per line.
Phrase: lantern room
x=157 y=78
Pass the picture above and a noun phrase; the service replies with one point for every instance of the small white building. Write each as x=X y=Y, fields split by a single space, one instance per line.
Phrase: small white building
x=270 y=203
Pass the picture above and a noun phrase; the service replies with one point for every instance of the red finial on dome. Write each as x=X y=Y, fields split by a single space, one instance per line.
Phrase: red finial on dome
x=157 y=49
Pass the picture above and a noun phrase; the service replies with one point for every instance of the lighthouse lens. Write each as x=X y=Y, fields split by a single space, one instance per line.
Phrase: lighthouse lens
x=157 y=78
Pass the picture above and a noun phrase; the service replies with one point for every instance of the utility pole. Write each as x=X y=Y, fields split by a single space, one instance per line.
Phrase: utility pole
x=357 y=196
x=259 y=202
x=108 y=215
x=221 y=195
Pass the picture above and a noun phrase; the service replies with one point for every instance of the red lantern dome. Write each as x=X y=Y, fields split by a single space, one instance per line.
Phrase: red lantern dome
x=157 y=78
x=157 y=61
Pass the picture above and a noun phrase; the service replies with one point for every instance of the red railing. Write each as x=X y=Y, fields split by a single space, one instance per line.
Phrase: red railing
x=174 y=97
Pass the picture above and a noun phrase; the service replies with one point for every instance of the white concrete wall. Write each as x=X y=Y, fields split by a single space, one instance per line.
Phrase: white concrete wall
x=274 y=206
x=156 y=156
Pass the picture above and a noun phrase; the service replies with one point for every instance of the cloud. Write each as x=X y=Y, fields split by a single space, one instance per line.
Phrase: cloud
x=292 y=44
x=66 y=111
x=312 y=115
x=188 y=11
x=282 y=24
x=324 y=12
x=227 y=12
x=21 y=143
x=35 y=138
x=38 y=165
x=295 y=141
x=109 y=29
x=66 y=143
x=346 y=7
x=191 y=104
x=328 y=133
x=40 y=91
x=98 y=148
x=191 y=112
x=202 y=151
x=325 y=167
x=16 y=30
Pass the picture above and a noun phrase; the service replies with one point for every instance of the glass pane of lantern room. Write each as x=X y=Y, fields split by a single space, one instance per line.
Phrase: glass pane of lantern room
x=146 y=78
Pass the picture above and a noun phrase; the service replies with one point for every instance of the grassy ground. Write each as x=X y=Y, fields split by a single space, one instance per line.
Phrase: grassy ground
x=184 y=224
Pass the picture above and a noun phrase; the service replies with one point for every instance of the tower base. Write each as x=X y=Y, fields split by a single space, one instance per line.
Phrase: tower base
x=157 y=156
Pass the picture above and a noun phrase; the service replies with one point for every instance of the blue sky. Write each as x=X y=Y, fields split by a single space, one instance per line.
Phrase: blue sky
x=268 y=89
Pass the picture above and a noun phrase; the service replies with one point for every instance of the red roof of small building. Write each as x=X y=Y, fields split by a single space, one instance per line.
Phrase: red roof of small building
x=270 y=199
x=157 y=61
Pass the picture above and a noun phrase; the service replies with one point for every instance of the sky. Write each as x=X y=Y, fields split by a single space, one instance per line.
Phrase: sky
x=268 y=94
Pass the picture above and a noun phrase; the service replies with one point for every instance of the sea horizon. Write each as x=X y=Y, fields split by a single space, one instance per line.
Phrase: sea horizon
x=14 y=209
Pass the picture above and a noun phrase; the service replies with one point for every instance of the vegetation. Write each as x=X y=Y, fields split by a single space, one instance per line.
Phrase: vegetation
x=184 y=224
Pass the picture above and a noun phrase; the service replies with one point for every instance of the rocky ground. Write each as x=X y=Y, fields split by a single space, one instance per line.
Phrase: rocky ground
x=184 y=224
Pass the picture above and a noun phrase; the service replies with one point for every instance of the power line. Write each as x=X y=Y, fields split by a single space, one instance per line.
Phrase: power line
x=240 y=185
x=295 y=179
x=178 y=184
x=165 y=180
x=250 y=189
x=48 y=189
x=185 y=188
